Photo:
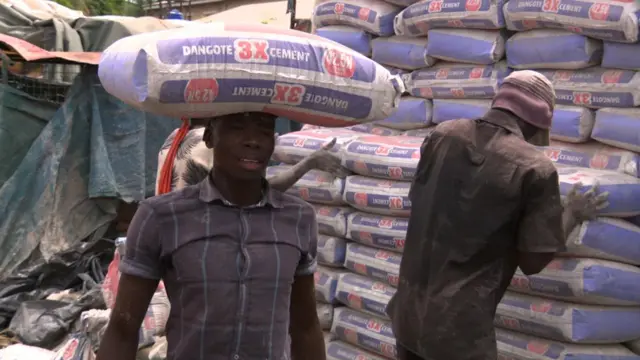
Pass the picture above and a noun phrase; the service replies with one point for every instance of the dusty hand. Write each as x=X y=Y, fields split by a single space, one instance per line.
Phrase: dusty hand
x=586 y=205
x=324 y=160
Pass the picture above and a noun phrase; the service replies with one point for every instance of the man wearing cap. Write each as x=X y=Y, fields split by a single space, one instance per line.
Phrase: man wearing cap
x=484 y=202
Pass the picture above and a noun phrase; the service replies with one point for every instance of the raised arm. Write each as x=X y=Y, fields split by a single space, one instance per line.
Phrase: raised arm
x=140 y=274
x=307 y=342
x=321 y=159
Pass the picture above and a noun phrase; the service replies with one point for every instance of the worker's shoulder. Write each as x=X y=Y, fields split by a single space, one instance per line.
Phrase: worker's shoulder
x=167 y=203
x=294 y=203
x=505 y=146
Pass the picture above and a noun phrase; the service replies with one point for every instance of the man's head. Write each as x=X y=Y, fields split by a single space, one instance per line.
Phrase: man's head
x=242 y=143
x=530 y=96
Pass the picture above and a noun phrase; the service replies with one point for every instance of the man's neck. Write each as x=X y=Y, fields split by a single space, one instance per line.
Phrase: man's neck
x=240 y=192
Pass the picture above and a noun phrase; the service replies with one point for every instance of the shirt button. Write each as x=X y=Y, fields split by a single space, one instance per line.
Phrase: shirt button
x=236 y=356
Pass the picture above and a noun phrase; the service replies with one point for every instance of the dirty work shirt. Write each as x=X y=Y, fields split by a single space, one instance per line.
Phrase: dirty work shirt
x=481 y=194
x=228 y=271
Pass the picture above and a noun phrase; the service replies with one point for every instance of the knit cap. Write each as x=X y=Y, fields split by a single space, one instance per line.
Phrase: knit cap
x=529 y=95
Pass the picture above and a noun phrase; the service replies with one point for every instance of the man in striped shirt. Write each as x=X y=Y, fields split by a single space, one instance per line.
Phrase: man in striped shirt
x=236 y=255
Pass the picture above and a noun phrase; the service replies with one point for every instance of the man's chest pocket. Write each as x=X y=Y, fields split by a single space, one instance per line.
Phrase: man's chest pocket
x=210 y=259
x=271 y=260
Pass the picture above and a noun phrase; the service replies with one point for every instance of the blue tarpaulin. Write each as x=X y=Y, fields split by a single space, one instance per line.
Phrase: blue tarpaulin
x=93 y=151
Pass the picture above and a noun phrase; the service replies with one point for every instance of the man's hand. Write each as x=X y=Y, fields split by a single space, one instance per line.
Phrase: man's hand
x=585 y=206
x=324 y=160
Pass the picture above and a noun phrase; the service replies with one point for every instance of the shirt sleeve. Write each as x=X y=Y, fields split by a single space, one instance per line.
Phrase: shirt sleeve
x=540 y=229
x=143 y=247
x=308 y=262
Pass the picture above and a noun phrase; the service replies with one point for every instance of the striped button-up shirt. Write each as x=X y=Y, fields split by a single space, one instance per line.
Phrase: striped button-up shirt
x=228 y=270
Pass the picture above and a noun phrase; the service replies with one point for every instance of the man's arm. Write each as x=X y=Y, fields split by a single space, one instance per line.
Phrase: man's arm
x=141 y=272
x=541 y=232
x=307 y=342
x=321 y=159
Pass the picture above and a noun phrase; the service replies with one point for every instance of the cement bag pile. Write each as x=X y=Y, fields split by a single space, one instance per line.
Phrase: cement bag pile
x=568 y=322
x=351 y=37
x=315 y=186
x=447 y=80
x=292 y=147
x=384 y=165
x=453 y=109
x=600 y=19
x=618 y=127
x=594 y=156
x=393 y=157
x=516 y=345
x=572 y=124
x=399 y=54
x=216 y=69
x=339 y=350
x=367 y=332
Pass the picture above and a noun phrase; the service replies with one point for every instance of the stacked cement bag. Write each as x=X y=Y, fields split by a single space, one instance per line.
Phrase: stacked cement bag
x=324 y=192
x=368 y=28
x=464 y=45
x=378 y=194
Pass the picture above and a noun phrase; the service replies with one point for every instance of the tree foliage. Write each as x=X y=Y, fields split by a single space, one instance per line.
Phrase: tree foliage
x=105 y=7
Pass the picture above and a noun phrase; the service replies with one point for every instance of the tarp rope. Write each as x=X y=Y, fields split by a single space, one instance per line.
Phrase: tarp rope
x=166 y=173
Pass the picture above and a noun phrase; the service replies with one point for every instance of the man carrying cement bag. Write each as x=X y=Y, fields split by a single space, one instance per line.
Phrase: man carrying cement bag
x=237 y=258
x=484 y=202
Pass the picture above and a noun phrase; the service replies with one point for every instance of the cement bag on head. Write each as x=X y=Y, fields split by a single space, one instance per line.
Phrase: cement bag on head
x=563 y=321
x=621 y=56
x=419 y=133
x=377 y=264
x=417 y=19
x=457 y=81
x=572 y=123
x=401 y=52
x=412 y=113
x=449 y=109
x=326 y=280
x=618 y=127
x=606 y=238
x=379 y=231
x=25 y=352
x=595 y=156
x=374 y=129
x=374 y=16
x=332 y=220
x=517 y=346
x=378 y=196
x=364 y=294
x=215 y=69
x=388 y=157
x=338 y=350
x=466 y=46
x=292 y=147
x=585 y=281
x=78 y=347
x=634 y=346
x=365 y=331
x=325 y=315
x=596 y=87
x=624 y=190
x=331 y=250
x=552 y=49
x=315 y=186
x=353 y=38
x=600 y=19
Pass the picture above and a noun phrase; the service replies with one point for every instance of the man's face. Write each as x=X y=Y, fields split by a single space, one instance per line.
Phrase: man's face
x=242 y=144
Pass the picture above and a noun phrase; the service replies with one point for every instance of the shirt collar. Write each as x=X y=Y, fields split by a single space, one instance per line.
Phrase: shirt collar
x=209 y=193
x=504 y=120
